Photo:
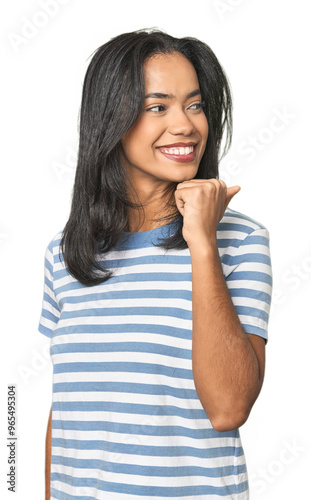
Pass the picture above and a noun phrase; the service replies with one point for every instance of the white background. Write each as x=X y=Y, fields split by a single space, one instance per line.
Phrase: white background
x=264 y=47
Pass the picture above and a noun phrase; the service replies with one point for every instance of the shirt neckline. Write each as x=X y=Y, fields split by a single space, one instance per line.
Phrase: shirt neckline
x=142 y=238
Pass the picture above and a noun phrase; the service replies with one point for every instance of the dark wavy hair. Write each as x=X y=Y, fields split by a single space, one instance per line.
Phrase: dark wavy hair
x=112 y=100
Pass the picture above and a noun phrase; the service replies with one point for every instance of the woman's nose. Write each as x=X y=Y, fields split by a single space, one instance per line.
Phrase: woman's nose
x=180 y=124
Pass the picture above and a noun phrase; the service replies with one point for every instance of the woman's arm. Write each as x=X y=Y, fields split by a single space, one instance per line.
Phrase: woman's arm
x=48 y=453
x=228 y=364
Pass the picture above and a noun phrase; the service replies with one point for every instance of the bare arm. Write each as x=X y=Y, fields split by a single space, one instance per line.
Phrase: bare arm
x=48 y=453
x=228 y=364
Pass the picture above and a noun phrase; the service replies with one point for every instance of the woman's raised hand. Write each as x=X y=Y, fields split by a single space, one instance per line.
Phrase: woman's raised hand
x=202 y=203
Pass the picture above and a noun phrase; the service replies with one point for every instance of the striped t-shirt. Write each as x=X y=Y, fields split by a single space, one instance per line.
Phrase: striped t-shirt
x=126 y=419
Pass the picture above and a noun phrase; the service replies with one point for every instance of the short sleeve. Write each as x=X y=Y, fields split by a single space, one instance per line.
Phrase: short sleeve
x=250 y=282
x=50 y=310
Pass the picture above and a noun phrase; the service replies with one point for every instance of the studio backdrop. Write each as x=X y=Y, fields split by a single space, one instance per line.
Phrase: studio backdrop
x=263 y=47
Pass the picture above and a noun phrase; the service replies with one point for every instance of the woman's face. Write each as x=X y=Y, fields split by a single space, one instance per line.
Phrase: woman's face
x=168 y=140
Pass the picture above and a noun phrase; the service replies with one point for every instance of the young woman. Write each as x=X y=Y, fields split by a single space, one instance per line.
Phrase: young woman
x=157 y=294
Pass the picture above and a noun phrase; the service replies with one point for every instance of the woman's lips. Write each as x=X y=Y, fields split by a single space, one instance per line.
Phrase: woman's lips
x=180 y=152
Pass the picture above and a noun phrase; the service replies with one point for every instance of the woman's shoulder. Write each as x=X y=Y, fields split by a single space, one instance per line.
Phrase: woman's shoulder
x=54 y=244
x=234 y=219
x=236 y=228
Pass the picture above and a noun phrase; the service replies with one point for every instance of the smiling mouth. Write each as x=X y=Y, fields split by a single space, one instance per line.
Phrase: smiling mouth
x=179 y=153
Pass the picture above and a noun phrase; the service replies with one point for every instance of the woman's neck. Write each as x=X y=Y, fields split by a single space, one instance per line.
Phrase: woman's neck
x=148 y=222
x=158 y=208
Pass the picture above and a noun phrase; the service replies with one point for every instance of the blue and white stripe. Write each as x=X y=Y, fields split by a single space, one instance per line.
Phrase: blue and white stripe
x=127 y=422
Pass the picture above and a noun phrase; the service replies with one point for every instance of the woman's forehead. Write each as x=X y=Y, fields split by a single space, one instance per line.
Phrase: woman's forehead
x=165 y=72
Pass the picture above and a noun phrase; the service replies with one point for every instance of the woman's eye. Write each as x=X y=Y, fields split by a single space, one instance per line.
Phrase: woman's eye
x=157 y=109
x=197 y=105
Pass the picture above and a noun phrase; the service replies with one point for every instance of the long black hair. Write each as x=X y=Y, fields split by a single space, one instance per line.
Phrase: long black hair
x=112 y=101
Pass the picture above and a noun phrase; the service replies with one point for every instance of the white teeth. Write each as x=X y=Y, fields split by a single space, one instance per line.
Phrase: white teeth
x=178 y=151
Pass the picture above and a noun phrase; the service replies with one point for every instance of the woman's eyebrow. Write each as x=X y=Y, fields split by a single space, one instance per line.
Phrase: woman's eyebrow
x=160 y=95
